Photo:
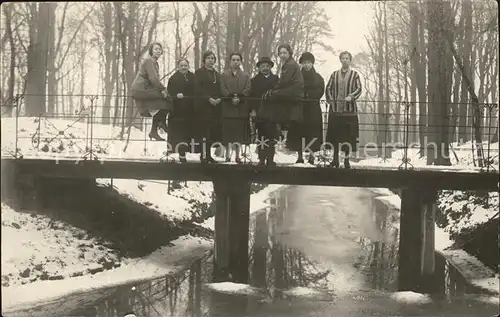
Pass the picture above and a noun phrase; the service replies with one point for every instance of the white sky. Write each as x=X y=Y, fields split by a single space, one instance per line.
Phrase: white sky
x=349 y=22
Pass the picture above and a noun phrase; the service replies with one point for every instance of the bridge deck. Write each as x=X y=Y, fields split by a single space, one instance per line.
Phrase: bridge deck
x=360 y=176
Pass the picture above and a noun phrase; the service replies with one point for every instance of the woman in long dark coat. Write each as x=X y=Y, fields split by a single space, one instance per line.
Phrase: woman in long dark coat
x=149 y=94
x=180 y=86
x=307 y=136
x=208 y=95
x=289 y=90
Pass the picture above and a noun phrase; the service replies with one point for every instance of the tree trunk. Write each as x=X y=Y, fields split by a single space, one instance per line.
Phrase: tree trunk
x=387 y=110
x=36 y=78
x=440 y=71
x=414 y=62
x=51 y=63
x=109 y=52
x=82 y=68
x=12 y=63
x=381 y=119
x=421 y=72
x=232 y=17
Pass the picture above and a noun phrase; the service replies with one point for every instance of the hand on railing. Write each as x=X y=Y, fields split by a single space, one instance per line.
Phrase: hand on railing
x=236 y=100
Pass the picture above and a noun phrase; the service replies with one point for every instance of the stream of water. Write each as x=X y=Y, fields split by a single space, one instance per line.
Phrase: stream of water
x=337 y=244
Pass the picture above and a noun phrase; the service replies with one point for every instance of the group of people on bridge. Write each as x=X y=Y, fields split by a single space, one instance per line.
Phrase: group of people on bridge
x=207 y=107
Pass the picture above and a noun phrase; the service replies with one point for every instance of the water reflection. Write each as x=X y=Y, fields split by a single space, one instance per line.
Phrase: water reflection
x=317 y=252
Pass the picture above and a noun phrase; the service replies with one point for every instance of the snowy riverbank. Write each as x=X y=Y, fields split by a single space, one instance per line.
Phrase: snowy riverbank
x=53 y=248
x=475 y=272
x=39 y=251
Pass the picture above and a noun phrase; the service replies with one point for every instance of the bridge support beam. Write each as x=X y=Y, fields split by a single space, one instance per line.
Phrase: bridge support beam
x=232 y=221
x=416 y=241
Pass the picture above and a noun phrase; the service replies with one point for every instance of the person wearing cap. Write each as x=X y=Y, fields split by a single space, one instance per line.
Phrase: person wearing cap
x=307 y=136
x=235 y=87
x=288 y=92
x=266 y=123
x=342 y=91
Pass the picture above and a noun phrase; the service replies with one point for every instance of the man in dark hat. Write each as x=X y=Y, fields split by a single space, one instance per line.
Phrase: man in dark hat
x=266 y=121
x=307 y=135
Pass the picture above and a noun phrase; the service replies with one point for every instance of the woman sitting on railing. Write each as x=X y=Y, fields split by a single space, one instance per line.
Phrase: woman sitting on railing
x=181 y=88
x=149 y=94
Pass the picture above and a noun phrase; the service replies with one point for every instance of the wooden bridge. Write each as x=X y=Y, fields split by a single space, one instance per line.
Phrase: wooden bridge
x=418 y=187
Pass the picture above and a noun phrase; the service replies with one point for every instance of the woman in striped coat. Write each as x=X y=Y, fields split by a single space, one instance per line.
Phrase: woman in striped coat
x=342 y=91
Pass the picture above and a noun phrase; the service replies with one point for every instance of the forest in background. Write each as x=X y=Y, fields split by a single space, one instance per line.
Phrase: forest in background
x=440 y=55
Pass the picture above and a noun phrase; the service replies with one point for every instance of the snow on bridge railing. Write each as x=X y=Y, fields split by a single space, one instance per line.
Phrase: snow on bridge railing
x=107 y=127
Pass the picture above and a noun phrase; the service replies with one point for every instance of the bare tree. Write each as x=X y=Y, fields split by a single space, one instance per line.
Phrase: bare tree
x=440 y=70
x=7 y=10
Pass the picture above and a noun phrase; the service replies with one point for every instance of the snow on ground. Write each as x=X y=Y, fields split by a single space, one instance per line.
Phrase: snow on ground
x=35 y=247
x=473 y=270
x=464 y=153
x=209 y=223
x=260 y=200
x=70 y=138
x=178 y=205
x=411 y=298
x=166 y=260
x=465 y=210
x=308 y=293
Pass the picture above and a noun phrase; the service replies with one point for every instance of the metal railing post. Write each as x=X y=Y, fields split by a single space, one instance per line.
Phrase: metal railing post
x=405 y=161
x=16 y=103
x=90 y=151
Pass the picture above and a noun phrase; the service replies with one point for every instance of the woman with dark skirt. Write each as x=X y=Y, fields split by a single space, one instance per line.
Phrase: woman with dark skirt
x=235 y=87
x=342 y=91
x=307 y=136
x=287 y=94
x=149 y=94
x=207 y=91
x=181 y=88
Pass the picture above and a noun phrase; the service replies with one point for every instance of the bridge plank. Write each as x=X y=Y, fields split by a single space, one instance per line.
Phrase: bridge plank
x=361 y=176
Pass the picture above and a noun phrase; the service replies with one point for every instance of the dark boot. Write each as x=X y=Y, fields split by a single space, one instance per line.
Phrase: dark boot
x=153 y=134
x=335 y=162
x=311 y=159
x=270 y=156
x=346 y=163
x=160 y=118
x=162 y=125
x=182 y=156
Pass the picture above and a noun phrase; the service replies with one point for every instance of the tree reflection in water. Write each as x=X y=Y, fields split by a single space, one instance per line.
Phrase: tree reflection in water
x=287 y=268
x=160 y=297
x=378 y=258
x=274 y=267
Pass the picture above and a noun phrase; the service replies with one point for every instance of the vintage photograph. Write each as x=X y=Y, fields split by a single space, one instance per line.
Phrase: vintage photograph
x=279 y=158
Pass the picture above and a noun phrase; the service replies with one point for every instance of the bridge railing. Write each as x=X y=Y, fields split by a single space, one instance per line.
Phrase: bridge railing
x=100 y=127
